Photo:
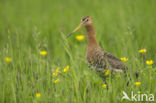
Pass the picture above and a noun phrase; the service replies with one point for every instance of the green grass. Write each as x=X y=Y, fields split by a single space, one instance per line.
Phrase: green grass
x=30 y=26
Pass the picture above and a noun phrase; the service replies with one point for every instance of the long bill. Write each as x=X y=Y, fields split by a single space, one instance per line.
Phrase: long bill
x=77 y=28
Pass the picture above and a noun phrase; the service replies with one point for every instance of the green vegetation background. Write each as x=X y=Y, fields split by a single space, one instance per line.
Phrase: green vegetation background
x=30 y=26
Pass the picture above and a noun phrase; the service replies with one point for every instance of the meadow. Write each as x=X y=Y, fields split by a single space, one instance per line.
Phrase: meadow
x=39 y=65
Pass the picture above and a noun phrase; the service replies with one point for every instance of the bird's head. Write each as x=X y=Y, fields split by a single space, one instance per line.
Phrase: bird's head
x=85 y=21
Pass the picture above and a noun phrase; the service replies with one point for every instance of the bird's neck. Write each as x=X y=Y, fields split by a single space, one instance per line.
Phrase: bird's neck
x=91 y=37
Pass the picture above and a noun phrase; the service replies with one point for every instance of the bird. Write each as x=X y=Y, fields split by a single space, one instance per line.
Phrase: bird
x=98 y=59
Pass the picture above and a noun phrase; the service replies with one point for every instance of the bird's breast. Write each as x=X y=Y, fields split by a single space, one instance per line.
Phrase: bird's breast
x=95 y=59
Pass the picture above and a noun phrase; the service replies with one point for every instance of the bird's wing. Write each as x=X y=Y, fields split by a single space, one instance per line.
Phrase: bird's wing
x=102 y=60
x=114 y=62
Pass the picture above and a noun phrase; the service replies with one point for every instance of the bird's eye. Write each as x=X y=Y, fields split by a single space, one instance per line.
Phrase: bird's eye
x=84 y=20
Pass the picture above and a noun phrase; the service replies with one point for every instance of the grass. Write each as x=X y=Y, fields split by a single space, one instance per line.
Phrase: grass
x=30 y=26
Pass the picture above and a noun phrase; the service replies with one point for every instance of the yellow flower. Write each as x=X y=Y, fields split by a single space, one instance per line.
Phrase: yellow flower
x=137 y=83
x=8 y=59
x=38 y=95
x=80 y=37
x=117 y=76
x=124 y=59
x=104 y=85
x=142 y=50
x=149 y=62
x=66 y=68
x=43 y=53
x=107 y=72
x=56 y=72
x=56 y=81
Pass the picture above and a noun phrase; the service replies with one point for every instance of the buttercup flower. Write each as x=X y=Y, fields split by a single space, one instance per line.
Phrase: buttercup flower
x=137 y=83
x=107 y=72
x=149 y=62
x=38 y=95
x=80 y=37
x=56 y=81
x=66 y=68
x=124 y=59
x=43 y=53
x=104 y=85
x=8 y=59
x=56 y=72
x=142 y=50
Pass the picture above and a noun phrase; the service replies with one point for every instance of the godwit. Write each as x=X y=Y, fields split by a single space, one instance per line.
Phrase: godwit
x=98 y=59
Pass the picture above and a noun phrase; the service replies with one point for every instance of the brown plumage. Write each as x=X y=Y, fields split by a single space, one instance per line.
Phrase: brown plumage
x=98 y=59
